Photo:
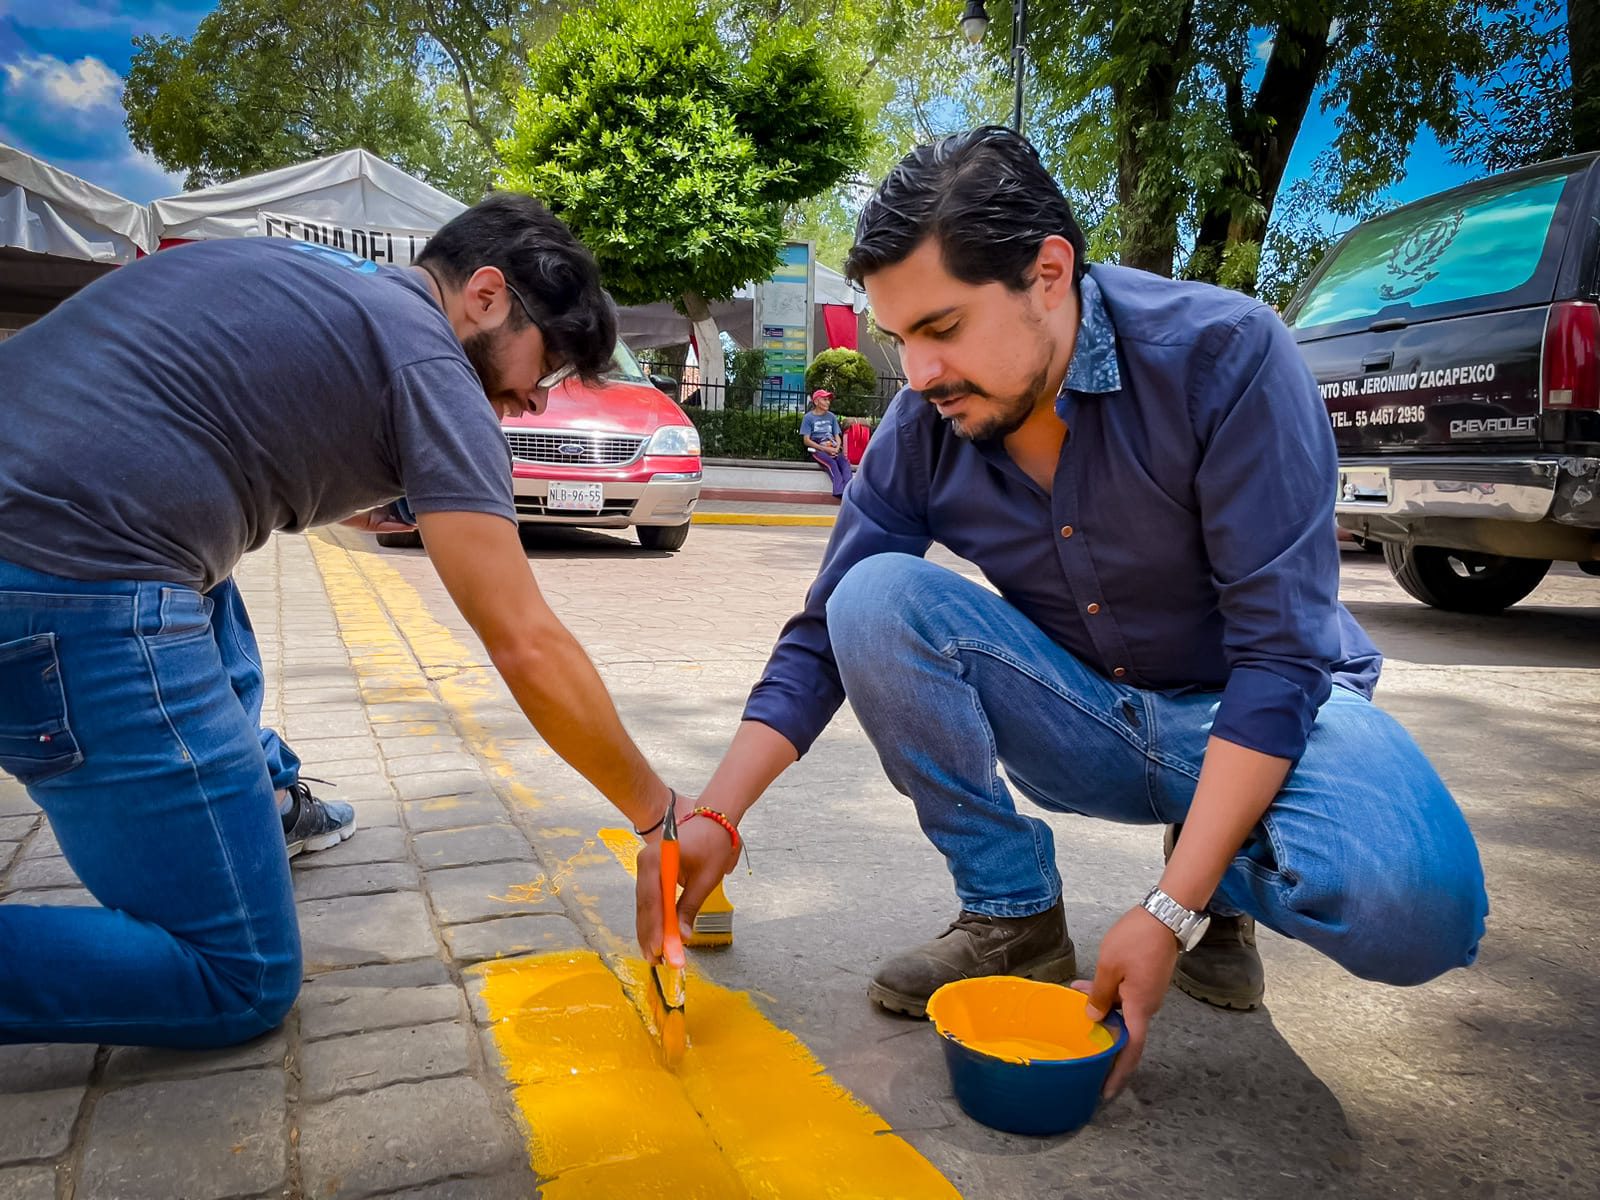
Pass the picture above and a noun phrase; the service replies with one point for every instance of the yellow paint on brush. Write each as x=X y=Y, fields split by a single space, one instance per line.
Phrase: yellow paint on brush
x=1018 y=1020
x=748 y=1113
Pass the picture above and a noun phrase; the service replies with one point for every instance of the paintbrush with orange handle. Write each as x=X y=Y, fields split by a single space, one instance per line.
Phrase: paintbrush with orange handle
x=667 y=995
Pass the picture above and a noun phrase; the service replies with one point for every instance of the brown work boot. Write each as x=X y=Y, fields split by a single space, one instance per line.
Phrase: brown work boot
x=1225 y=968
x=1035 y=947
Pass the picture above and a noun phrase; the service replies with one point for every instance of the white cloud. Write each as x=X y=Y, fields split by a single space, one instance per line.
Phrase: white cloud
x=1264 y=49
x=82 y=86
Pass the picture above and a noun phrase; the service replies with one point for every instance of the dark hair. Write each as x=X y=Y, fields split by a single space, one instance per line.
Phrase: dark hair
x=987 y=198
x=553 y=271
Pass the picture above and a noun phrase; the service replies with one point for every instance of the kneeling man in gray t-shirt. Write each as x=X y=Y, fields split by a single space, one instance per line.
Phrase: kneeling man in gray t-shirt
x=156 y=427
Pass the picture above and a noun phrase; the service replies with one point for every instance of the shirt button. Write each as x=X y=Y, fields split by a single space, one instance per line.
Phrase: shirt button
x=1119 y=672
x=1092 y=609
x=1066 y=531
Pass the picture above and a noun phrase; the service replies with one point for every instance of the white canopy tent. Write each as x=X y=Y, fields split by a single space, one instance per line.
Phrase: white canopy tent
x=57 y=233
x=646 y=326
x=353 y=200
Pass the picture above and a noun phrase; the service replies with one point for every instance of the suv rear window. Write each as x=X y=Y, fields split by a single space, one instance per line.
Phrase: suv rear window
x=1472 y=250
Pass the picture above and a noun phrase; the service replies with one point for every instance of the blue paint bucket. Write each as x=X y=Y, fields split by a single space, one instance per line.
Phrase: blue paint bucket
x=1013 y=1046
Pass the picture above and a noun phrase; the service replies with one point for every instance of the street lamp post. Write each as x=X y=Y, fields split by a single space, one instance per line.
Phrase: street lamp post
x=975 y=23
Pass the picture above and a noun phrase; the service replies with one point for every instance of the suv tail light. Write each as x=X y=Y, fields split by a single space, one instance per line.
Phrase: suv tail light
x=1570 y=372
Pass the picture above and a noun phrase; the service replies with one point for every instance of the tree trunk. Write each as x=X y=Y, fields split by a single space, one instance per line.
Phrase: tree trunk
x=1583 y=58
x=1264 y=135
x=1148 y=187
x=708 y=347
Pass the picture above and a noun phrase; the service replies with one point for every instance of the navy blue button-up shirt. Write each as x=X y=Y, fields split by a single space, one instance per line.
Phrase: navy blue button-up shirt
x=1198 y=480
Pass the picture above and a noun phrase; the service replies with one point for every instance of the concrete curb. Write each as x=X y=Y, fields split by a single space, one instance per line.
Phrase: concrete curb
x=716 y=518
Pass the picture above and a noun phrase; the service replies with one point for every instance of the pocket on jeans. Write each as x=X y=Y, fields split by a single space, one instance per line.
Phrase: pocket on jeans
x=36 y=742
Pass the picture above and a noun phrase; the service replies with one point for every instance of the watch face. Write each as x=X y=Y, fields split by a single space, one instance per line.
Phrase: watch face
x=1192 y=939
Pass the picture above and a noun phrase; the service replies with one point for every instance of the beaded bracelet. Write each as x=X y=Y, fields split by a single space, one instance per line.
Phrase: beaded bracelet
x=672 y=802
x=720 y=819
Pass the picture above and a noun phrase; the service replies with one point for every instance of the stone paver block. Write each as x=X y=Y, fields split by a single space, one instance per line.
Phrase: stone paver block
x=8 y=851
x=365 y=781
x=364 y=929
x=357 y=879
x=316 y=726
x=137 y=1064
x=42 y=1067
x=400 y=744
x=15 y=802
x=512 y=1185
x=452 y=812
x=333 y=1011
x=44 y=844
x=66 y=897
x=510 y=937
x=36 y=873
x=471 y=844
x=15 y=828
x=365 y=1061
x=402 y=1136
x=219 y=1135
x=406 y=766
x=36 y=1183
x=383 y=812
x=384 y=844
x=427 y=785
x=36 y=1124
x=495 y=890
x=403 y=712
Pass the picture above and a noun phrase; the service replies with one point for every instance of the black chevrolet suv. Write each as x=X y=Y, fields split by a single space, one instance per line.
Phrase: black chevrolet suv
x=1455 y=343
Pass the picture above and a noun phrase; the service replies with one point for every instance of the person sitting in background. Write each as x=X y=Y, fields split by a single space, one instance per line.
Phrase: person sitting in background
x=824 y=438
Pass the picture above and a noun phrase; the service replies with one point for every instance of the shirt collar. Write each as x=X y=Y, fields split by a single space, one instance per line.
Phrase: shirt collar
x=1093 y=368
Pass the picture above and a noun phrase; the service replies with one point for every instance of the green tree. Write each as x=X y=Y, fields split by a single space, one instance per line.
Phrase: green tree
x=1176 y=118
x=1529 y=107
x=266 y=83
x=671 y=157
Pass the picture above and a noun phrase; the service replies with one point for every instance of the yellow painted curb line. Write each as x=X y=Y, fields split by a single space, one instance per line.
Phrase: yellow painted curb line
x=714 y=518
x=748 y=1113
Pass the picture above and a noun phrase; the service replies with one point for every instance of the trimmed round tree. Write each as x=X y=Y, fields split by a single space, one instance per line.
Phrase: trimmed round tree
x=672 y=159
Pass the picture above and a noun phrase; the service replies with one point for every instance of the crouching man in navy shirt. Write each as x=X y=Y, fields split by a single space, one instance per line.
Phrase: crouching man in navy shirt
x=1144 y=472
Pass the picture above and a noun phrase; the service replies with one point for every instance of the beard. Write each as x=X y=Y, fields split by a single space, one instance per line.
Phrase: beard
x=1002 y=416
x=481 y=351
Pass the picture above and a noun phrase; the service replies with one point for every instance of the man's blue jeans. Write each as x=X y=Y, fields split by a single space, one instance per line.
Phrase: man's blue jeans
x=119 y=713
x=1364 y=855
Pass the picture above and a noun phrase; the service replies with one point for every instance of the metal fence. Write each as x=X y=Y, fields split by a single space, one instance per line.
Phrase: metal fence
x=684 y=386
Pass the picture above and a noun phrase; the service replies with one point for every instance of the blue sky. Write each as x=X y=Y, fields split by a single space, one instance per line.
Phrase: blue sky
x=62 y=63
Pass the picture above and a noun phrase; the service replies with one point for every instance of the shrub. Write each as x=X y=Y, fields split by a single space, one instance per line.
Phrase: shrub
x=850 y=377
x=745 y=433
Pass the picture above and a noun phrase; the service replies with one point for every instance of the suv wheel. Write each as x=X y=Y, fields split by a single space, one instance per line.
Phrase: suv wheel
x=662 y=537
x=1463 y=580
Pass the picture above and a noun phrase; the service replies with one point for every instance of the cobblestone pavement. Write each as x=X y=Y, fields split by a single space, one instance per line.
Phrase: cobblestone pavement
x=476 y=844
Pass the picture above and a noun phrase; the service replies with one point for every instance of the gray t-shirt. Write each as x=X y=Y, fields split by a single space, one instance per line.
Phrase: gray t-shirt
x=170 y=416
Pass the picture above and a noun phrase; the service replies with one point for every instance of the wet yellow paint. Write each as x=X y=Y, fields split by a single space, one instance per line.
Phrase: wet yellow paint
x=1018 y=1020
x=749 y=1112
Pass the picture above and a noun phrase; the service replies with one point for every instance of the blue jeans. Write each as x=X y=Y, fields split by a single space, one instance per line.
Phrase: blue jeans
x=118 y=711
x=1363 y=855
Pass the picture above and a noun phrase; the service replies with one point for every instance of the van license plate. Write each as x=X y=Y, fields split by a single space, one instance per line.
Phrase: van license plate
x=576 y=497
x=1368 y=486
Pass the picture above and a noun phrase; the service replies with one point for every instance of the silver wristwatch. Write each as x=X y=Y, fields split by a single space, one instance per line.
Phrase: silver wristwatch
x=1187 y=925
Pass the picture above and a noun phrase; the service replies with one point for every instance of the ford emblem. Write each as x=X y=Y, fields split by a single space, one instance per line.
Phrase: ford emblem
x=573 y=449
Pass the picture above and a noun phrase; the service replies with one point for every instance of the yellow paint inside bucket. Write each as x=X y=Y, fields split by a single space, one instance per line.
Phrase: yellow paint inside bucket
x=1018 y=1020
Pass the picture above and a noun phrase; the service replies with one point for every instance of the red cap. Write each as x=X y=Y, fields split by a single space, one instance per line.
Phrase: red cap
x=822 y=394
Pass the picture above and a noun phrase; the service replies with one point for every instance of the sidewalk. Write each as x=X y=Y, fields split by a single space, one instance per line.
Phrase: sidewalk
x=379 y=1082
